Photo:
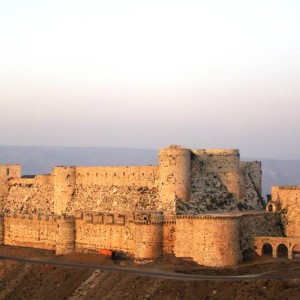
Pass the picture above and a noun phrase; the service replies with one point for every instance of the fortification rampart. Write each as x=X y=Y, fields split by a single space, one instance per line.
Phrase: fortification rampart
x=118 y=176
x=30 y=231
x=138 y=235
x=287 y=199
x=226 y=164
x=258 y=224
x=185 y=181
x=36 y=180
x=213 y=240
x=141 y=207
x=174 y=175
x=218 y=160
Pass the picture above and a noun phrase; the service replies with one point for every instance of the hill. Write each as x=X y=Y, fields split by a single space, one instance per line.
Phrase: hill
x=21 y=280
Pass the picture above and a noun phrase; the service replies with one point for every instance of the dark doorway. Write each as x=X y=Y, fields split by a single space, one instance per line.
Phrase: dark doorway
x=267 y=250
x=282 y=251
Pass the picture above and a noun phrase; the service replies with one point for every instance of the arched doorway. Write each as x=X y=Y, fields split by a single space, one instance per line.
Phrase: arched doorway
x=270 y=208
x=282 y=251
x=267 y=249
x=296 y=251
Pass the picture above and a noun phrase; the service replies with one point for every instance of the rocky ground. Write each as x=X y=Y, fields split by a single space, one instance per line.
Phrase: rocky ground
x=30 y=281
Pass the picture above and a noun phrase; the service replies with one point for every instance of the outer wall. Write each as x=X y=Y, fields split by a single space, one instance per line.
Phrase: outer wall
x=215 y=241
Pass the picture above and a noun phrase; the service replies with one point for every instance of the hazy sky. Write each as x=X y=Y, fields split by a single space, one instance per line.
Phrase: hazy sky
x=146 y=74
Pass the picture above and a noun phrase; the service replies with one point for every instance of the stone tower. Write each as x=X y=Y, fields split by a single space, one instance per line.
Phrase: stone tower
x=225 y=163
x=66 y=235
x=174 y=175
x=64 y=181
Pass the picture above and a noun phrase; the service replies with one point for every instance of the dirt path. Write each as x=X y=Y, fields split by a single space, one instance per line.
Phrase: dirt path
x=282 y=274
x=19 y=280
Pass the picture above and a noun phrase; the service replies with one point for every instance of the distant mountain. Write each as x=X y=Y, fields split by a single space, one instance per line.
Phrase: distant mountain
x=41 y=160
x=279 y=172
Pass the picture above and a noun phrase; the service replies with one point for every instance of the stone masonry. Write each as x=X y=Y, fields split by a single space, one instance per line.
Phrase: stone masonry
x=203 y=204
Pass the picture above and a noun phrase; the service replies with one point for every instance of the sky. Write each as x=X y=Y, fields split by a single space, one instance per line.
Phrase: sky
x=147 y=74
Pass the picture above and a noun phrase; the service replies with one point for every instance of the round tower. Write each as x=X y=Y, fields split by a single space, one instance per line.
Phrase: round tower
x=66 y=236
x=64 y=181
x=217 y=242
x=149 y=239
x=1 y=228
x=174 y=175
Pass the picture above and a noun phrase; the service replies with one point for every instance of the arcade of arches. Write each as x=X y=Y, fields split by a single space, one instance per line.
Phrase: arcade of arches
x=277 y=246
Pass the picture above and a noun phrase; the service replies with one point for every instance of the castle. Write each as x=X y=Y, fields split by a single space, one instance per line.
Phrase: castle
x=199 y=204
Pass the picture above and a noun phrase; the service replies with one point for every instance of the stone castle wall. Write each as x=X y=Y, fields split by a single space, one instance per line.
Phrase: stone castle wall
x=226 y=164
x=29 y=195
x=213 y=240
x=258 y=224
x=185 y=182
x=116 y=208
x=117 y=176
x=138 y=236
x=287 y=199
x=105 y=231
x=30 y=231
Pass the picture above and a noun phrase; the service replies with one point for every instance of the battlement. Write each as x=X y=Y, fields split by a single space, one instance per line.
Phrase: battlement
x=287 y=187
x=202 y=217
x=217 y=152
x=102 y=218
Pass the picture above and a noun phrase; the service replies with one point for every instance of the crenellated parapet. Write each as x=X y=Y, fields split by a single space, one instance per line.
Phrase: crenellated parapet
x=148 y=216
x=104 y=218
x=208 y=216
